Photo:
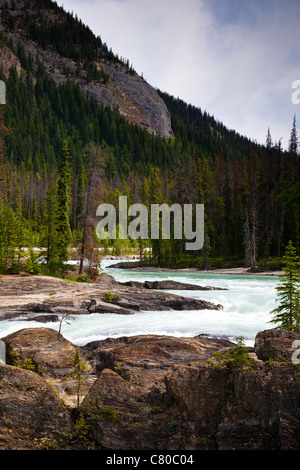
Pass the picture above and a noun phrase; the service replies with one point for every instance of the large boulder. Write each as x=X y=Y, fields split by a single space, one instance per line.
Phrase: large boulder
x=50 y=353
x=125 y=415
x=118 y=412
x=52 y=356
x=31 y=414
x=150 y=392
x=169 y=285
x=276 y=344
x=199 y=408
x=240 y=410
x=144 y=359
x=161 y=393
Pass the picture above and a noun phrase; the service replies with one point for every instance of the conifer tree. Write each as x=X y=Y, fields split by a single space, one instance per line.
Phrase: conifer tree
x=293 y=143
x=62 y=225
x=77 y=373
x=49 y=210
x=94 y=183
x=3 y=133
x=287 y=314
x=156 y=198
x=269 y=143
x=11 y=232
x=81 y=186
x=2 y=234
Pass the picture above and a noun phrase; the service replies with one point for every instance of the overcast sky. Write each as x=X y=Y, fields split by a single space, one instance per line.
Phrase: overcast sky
x=236 y=59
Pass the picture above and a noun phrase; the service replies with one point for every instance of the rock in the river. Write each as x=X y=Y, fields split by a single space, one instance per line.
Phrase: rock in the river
x=106 y=279
x=169 y=285
x=25 y=297
x=148 y=300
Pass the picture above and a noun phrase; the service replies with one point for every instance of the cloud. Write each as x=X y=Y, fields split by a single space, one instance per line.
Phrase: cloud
x=237 y=60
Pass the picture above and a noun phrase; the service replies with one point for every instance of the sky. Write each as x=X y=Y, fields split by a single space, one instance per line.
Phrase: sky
x=236 y=59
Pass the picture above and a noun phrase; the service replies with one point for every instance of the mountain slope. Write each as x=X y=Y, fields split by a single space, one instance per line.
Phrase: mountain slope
x=64 y=84
x=69 y=50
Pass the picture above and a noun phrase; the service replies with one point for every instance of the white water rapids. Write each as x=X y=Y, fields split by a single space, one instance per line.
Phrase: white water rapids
x=247 y=305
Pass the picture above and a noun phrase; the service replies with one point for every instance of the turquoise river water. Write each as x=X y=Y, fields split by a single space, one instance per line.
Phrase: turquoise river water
x=247 y=305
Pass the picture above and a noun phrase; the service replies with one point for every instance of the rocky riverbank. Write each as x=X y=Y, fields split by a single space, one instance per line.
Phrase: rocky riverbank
x=141 y=266
x=147 y=392
x=143 y=392
x=43 y=298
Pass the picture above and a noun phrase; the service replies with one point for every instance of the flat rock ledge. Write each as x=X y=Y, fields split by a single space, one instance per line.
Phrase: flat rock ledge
x=169 y=285
x=44 y=299
x=147 y=392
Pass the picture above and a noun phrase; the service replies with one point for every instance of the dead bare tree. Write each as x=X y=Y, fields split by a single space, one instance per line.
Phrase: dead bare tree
x=92 y=198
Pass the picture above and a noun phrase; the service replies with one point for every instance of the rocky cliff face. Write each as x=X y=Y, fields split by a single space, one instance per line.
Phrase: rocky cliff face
x=149 y=392
x=164 y=389
x=122 y=88
x=8 y=60
x=136 y=100
x=239 y=410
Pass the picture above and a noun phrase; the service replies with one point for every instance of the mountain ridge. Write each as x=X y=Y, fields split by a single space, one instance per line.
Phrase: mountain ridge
x=100 y=73
x=103 y=76
x=64 y=86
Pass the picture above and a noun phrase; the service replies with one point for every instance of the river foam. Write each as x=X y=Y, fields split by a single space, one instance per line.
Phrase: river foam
x=246 y=310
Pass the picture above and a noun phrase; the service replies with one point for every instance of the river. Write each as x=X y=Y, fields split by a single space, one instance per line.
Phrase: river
x=247 y=305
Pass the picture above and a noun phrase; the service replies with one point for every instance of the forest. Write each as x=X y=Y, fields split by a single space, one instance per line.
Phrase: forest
x=63 y=154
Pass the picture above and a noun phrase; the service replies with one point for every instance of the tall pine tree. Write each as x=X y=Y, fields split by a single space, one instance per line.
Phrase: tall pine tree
x=62 y=224
x=48 y=238
x=293 y=142
x=287 y=314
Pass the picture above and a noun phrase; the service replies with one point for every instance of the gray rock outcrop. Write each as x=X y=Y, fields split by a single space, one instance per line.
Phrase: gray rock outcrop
x=149 y=392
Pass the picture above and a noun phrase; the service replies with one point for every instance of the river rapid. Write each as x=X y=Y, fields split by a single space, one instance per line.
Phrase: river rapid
x=247 y=304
